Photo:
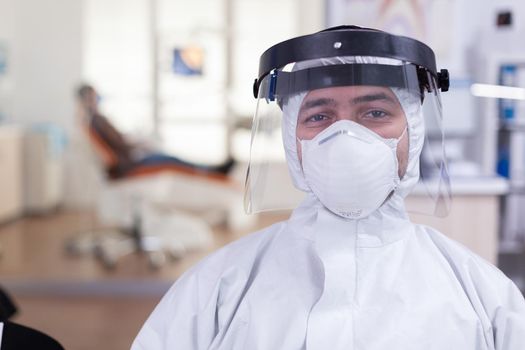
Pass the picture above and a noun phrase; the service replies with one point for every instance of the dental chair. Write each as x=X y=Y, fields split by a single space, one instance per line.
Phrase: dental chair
x=159 y=211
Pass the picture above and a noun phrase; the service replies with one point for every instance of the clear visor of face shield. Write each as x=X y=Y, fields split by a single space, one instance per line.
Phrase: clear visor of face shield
x=434 y=182
x=295 y=105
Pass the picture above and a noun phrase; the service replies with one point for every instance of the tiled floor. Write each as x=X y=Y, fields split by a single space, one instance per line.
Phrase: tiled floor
x=86 y=323
x=74 y=298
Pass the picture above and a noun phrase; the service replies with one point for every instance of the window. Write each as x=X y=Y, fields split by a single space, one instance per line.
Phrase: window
x=183 y=69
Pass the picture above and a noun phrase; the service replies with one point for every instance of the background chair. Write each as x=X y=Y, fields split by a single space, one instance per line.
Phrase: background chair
x=159 y=211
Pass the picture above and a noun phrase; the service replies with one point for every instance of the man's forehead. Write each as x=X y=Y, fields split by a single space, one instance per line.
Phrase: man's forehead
x=348 y=92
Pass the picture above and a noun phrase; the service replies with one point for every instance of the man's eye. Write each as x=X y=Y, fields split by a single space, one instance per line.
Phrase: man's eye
x=376 y=114
x=317 y=118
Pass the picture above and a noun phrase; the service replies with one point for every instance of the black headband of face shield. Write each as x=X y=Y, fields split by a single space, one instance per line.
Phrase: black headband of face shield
x=350 y=41
x=280 y=84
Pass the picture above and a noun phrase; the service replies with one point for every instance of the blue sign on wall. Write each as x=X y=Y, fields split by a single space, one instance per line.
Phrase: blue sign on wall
x=188 y=60
x=3 y=58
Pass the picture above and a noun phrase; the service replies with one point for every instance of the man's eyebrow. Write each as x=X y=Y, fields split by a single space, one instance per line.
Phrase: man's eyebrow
x=318 y=102
x=373 y=97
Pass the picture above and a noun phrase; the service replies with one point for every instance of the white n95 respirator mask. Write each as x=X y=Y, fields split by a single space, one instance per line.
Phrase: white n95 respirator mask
x=351 y=169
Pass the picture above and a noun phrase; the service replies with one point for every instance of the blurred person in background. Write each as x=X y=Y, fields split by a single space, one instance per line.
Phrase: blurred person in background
x=122 y=157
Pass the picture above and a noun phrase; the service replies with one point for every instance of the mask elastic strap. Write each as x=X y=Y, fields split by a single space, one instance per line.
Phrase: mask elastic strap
x=393 y=142
x=403 y=133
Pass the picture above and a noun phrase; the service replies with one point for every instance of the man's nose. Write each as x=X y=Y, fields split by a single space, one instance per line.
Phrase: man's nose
x=345 y=115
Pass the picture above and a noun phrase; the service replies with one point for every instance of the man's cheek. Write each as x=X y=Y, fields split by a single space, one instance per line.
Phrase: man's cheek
x=299 y=152
x=402 y=156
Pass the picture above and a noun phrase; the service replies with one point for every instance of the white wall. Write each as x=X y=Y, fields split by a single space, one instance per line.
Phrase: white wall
x=44 y=40
x=117 y=53
x=6 y=19
x=7 y=25
x=472 y=17
x=47 y=60
x=448 y=26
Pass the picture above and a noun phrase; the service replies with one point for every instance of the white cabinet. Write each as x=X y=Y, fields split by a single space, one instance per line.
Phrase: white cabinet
x=474 y=215
x=11 y=201
x=43 y=173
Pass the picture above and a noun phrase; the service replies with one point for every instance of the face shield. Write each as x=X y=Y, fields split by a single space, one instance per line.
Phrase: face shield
x=381 y=88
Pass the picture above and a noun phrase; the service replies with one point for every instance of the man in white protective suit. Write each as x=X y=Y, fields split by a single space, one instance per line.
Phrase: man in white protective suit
x=347 y=270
